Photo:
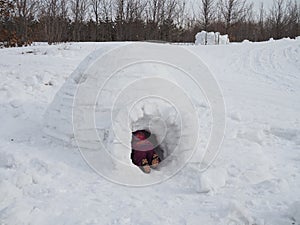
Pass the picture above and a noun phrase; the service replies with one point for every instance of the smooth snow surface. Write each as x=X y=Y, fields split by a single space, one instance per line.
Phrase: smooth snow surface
x=254 y=180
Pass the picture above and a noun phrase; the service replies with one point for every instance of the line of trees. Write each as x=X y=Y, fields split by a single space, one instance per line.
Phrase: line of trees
x=24 y=21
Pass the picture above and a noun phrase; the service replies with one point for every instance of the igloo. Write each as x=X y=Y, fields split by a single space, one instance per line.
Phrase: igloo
x=124 y=87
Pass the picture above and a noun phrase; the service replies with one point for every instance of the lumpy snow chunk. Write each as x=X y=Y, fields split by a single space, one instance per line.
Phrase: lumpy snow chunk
x=211 y=38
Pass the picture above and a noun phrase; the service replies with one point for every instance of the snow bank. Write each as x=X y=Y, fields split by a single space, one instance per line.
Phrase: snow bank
x=211 y=38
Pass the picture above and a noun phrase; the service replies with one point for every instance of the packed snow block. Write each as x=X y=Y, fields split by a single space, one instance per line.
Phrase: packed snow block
x=125 y=87
x=58 y=117
x=211 y=38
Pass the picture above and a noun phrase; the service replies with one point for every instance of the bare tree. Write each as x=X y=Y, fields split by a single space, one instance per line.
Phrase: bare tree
x=167 y=20
x=79 y=10
x=120 y=6
x=130 y=10
x=119 y=19
x=182 y=14
x=168 y=10
x=153 y=10
x=25 y=13
x=8 y=36
x=232 y=11
x=293 y=14
x=261 y=22
x=63 y=21
x=206 y=15
x=108 y=27
x=53 y=15
x=278 y=18
x=48 y=13
x=107 y=10
x=96 y=8
x=129 y=18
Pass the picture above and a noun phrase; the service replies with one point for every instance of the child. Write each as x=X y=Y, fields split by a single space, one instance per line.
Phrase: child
x=143 y=154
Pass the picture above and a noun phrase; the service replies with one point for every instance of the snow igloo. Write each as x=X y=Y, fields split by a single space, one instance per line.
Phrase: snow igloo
x=124 y=87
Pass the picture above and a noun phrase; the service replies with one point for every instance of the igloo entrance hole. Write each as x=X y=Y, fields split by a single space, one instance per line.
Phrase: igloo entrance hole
x=163 y=133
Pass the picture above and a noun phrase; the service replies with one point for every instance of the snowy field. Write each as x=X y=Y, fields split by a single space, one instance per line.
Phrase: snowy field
x=255 y=179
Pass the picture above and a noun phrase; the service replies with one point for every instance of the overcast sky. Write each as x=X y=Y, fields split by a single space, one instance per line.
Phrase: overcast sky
x=267 y=3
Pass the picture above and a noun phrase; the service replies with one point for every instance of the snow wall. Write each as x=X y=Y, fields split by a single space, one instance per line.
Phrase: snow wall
x=211 y=38
x=124 y=87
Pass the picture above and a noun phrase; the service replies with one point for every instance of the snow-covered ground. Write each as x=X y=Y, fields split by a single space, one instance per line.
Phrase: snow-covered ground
x=254 y=180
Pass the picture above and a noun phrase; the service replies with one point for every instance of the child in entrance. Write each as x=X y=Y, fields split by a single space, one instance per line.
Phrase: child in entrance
x=143 y=154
